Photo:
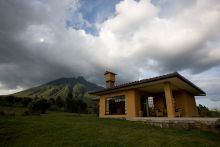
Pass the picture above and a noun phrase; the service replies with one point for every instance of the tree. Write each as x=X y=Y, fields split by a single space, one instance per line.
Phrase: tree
x=59 y=102
x=74 y=101
x=26 y=101
x=70 y=105
x=10 y=100
x=81 y=106
x=79 y=91
x=52 y=101
x=203 y=111
x=39 y=106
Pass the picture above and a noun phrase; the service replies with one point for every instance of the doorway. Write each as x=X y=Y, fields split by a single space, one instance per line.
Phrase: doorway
x=147 y=106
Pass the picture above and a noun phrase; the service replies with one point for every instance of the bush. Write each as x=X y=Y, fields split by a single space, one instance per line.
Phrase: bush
x=26 y=113
x=39 y=106
x=18 y=101
x=2 y=113
x=10 y=114
x=81 y=106
x=54 y=108
x=59 y=102
x=52 y=101
x=70 y=105
x=205 y=112
x=26 y=101
x=10 y=99
x=96 y=110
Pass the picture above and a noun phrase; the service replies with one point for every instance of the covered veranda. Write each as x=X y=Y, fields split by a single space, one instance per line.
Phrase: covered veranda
x=169 y=98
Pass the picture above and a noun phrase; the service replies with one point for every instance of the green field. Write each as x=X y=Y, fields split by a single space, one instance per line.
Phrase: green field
x=65 y=129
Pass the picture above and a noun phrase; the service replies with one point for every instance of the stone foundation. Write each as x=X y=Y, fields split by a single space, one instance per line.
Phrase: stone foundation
x=205 y=124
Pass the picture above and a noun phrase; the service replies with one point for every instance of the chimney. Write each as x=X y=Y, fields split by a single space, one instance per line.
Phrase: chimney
x=109 y=79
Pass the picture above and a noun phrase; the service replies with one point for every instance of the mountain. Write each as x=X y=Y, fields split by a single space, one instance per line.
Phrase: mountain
x=59 y=87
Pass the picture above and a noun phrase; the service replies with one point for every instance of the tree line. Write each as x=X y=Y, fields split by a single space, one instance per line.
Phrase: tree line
x=206 y=112
x=76 y=102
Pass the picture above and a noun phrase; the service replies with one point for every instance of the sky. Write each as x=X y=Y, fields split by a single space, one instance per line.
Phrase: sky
x=42 y=40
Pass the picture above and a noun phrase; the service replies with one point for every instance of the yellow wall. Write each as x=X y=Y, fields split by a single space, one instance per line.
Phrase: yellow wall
x=132 y=103
x=183 y=100
x=159 y=100
x=186 y=102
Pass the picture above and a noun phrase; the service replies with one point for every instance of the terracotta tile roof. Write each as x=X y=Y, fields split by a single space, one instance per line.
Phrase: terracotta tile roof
x=170 y=75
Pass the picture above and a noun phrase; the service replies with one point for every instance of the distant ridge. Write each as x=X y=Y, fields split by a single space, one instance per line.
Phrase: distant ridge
x=59 y=87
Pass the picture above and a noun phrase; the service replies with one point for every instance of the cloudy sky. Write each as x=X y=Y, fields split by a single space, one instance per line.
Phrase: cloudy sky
x=42 y=40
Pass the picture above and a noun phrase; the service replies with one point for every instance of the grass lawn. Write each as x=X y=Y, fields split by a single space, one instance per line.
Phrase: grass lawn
x=65 y=129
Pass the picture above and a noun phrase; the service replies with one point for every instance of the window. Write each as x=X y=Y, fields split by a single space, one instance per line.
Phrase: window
x=115 y=105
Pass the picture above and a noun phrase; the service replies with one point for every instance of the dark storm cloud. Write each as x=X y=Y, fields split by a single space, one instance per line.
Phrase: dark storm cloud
x=19 y=64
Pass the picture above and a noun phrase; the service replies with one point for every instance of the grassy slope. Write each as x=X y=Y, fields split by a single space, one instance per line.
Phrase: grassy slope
x=59 y=87
x=64 y=129
x=48 y=91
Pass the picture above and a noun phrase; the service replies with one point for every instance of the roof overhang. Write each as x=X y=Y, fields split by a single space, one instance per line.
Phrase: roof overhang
x=156 y=85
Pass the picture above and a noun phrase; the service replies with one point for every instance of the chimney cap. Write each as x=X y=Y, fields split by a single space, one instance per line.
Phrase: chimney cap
x=107 y=72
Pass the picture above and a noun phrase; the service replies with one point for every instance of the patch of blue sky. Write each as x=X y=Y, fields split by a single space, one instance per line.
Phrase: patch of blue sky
x=90 y=13
x=171 y=7
x=166 y=7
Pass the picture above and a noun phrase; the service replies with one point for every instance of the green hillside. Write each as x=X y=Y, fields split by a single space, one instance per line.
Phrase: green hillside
x=59 y=87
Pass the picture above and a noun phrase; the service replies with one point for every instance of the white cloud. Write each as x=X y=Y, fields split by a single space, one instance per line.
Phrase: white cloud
x=38 y=34
x=137 y=31
x=5 y=91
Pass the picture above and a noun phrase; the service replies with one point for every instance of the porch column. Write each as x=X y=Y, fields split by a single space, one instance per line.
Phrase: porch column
x=169 y=99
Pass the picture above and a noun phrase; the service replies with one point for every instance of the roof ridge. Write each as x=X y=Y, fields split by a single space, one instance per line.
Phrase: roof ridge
x=161 y=77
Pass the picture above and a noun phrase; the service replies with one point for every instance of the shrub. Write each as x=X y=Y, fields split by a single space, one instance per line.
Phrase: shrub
x=205 y=112
x=54 y=108
x=26 y=101
x=17 y=101
x=2 y=113
x=10 y=114
x=81 y=106
x=70 y=105
x=59 y=102
x=96 y=110
x=10 y=99
x=26 y=113
x=52 y=101
x=39 y=106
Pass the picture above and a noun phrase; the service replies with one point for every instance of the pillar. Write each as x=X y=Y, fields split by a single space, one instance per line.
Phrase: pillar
x=169 y=100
